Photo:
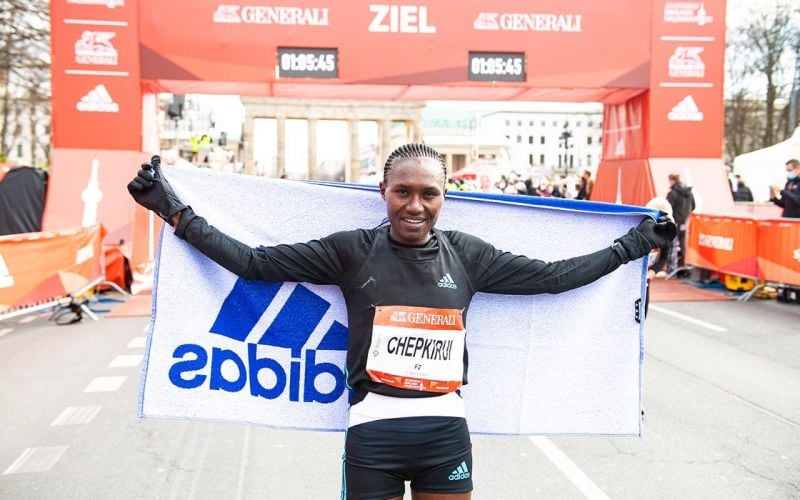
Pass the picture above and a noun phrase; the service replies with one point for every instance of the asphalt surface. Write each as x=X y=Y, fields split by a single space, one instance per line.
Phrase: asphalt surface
x=721 y=396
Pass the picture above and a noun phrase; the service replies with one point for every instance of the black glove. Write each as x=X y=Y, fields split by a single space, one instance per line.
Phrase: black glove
x=152 y=191
x=648 y=235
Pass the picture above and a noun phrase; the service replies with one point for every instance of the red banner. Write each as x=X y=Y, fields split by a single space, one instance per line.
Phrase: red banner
x=95 y=67
x=624 y=129
x=40 y=267
x=686 y=76
x=216 y=41
x=88 y=186
x=778 y=250
x=725 y=244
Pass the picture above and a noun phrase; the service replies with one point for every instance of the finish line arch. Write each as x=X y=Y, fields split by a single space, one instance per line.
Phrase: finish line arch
x=656 y=65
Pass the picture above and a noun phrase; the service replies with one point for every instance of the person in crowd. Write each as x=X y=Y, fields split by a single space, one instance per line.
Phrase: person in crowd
x=545 y=188
x=731 y=178
x=789 y=197
x=486 y=185
x=502 y=184
x=558 y=187
x=585 y=187
x=400 y=431
x=681 y=199
x=742 y=192
x=658 y=263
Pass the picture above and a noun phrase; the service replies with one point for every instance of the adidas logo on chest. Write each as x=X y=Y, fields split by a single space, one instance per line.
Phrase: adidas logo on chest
x=447 y=282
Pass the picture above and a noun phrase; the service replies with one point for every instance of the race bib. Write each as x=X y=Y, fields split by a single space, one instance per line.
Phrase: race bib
x=417 y=348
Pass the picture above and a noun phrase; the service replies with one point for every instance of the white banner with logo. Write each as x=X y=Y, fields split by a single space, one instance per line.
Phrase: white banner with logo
x=224 y=349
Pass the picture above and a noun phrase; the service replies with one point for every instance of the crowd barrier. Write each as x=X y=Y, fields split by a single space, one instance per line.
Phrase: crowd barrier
x=744 y=246
x=41 y=270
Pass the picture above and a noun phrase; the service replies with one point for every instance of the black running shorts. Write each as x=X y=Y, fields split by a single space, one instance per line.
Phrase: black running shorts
x=434 y=453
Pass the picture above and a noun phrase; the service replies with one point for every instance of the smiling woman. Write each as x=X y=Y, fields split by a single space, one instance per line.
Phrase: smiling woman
x=407 y=287
x=414 y=188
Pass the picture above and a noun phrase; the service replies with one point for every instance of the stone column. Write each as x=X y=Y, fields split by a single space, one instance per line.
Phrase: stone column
x=354 y=174
x=247 y=139
x=417 y=127
x=312 y=148
x=281 y=160
x=386 y=140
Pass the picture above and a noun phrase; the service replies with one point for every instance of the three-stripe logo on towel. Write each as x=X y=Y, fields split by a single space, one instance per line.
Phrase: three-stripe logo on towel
x=461 y=472
x=447 y=282
x=280 y=360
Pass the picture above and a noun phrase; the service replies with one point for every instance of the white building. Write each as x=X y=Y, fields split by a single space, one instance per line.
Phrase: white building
x=536 y=134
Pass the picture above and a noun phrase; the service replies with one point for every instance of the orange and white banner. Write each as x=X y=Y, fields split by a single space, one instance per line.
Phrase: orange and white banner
x=36 y=268
x=726 y=244
x=778 y=250
x=418 y=348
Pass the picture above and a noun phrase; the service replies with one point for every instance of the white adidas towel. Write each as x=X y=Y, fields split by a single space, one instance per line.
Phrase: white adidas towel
x=550 y=364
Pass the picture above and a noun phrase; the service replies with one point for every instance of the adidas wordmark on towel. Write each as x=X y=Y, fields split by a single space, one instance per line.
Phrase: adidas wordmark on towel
x=462 y=472
x=447 y=282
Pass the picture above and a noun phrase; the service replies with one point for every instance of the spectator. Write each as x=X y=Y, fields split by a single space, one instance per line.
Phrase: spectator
x=681 y=199
x=487 y=186
x=658 y=260
x=789 y=196
x=742 y=192
x=502 y=184
x=586 y=186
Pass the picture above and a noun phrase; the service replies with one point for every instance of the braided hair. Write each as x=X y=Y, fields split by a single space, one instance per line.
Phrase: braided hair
x=415 y=151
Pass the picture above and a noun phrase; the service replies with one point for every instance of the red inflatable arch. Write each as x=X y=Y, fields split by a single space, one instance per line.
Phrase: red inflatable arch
x=657 y=65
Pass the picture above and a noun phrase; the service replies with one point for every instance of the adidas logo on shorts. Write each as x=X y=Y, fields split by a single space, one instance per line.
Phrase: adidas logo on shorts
x=447 y=282
x=462 y=472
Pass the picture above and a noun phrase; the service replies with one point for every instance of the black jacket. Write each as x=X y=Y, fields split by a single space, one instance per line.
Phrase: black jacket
x=682 y=201
x=790 y=199
x=743 y=193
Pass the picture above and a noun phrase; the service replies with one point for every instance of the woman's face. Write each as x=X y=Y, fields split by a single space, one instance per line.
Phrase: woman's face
x=414 y=193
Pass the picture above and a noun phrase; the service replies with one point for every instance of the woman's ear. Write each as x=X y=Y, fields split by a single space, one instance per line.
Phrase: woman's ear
x=383 y=190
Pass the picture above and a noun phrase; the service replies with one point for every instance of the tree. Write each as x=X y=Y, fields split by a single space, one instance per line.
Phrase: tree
x=769 y=33
x=24 y=72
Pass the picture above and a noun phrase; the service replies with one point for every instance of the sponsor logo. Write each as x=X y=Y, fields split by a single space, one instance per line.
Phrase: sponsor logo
x=421 y=318
x=796 y=254
x=281 y=361
x=98 y=100
x=400 y=19
x=108 y=3
x=714 y=241
x=687 y=12
x=6 y=280
x=619 y=149
x=514 y=21
x=447 y=282
x=685 y=111
x=94 y=47
x=461 y=472
x=398 y=317
x=263 y=14
x=686 y=63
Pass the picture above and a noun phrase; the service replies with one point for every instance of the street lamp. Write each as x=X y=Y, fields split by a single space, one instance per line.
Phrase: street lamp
x=564 y=143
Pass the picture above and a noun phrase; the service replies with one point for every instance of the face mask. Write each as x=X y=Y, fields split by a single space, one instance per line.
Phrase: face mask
x=791 y=175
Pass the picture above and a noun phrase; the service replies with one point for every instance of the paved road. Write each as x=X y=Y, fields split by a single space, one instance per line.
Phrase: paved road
x=722 y=401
